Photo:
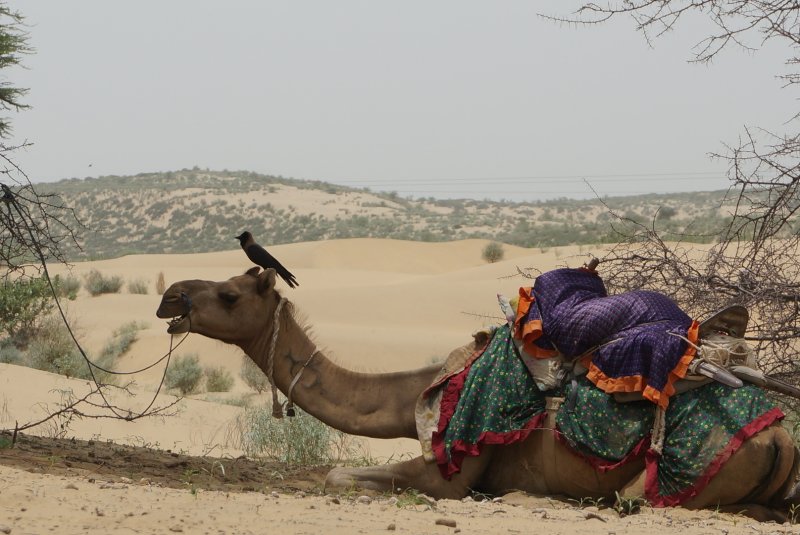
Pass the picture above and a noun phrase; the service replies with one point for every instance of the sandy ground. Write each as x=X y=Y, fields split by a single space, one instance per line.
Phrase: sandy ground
x=45 y=503
x=375 y=305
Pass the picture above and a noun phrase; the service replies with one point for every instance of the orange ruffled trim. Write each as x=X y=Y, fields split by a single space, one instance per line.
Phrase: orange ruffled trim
x=636 y=383
x=523 y=306
x=531 y=331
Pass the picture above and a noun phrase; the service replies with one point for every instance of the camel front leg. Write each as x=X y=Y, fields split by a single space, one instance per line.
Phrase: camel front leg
x=414 y=474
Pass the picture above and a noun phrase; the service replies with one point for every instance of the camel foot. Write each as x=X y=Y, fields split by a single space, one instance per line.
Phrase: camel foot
x=371 y=478
x=413 y=474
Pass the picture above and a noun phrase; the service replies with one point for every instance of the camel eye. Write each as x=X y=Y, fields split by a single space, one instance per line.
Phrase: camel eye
x=229 y=297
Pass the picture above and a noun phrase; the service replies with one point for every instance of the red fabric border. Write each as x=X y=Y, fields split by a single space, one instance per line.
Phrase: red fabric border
x=461 y=449
x=604 y=465
x=475 y=354
x=651 y=463
x=447 y=407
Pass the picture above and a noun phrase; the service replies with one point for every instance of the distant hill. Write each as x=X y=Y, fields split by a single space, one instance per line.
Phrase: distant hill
x=193 y=210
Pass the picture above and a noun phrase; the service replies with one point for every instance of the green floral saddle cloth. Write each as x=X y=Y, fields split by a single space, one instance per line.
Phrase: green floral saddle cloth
x=703 y=427
x=490 y=398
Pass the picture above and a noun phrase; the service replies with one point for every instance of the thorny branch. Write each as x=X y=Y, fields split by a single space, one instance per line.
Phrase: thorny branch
x=755 y=258
x=90 y=406
x=31 y=223
x=745 y=23
x=761 y=273
x=34 y=228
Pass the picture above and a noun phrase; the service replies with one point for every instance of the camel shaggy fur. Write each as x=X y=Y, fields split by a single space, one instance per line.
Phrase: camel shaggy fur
x=760 y=476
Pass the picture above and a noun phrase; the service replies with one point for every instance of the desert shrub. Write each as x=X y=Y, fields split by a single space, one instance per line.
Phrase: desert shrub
x=185 y=374
x=666 y=212
x=53 y=350
x=161 y=284
x=137 y=286
x=9 y=353
x=252 y=375
x=218 y=379
x=97 y=283
x=22 y=304
x=493 y=252
x=120 y=342
x=242 y=400
x=68 y=286
x=302 y=440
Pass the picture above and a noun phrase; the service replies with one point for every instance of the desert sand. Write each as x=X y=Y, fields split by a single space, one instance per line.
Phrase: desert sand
x=374 y=305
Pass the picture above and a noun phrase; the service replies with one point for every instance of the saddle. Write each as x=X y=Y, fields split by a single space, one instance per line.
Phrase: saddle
x=730 y=321
x=721 y=345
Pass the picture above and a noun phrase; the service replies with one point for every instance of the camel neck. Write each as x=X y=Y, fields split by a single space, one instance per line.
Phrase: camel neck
x=373 y=405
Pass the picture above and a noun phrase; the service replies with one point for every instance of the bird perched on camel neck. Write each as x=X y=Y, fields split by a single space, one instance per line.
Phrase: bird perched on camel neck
x=258 y=255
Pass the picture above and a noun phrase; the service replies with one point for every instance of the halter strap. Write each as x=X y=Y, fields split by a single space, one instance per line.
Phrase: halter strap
x=277 y=411
x=289 y=403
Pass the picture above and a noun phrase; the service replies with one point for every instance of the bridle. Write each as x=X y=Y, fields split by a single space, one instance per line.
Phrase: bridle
x=277 y=409
x=289 y=403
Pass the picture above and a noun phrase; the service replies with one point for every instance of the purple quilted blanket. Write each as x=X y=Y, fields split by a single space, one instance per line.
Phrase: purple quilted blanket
x=635 y=341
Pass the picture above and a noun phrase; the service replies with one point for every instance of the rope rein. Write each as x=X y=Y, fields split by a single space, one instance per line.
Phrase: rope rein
x=277 y=411
x=289 y=402
x=277 y=408
x=9 y=198
x=722 y=349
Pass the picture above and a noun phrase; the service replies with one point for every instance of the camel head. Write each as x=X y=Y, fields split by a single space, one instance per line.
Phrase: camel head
x=234 y=311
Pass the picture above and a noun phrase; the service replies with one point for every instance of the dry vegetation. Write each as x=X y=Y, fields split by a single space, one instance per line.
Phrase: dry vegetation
x=201 y=211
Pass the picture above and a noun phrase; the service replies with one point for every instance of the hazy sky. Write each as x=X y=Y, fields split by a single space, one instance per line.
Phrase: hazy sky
x=448 y=98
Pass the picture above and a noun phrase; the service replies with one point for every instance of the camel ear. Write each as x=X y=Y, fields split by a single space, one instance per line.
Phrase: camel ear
x=266 y=281
x=253 y=271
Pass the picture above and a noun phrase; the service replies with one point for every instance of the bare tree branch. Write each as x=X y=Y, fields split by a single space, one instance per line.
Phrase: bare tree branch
x=91 y=405
x=755 y=259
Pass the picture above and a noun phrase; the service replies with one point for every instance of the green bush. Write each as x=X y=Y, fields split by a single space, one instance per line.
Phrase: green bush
x=53 y=350
x=67 y=286
x=9 y=354
x=666 y=212
x=185 y=374
x=218 y=379
x=299 y=441
x=120 y=342
x=242 y=400
x=138 y=286
x=22 y=304
x=252 y=375
x=493 y=252
x=97 y=283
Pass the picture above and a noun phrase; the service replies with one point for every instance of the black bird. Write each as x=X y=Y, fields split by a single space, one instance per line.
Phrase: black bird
x=259 y=255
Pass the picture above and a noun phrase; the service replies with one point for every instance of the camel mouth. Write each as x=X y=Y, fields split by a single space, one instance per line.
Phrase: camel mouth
x=178 y=324
x=177 y=308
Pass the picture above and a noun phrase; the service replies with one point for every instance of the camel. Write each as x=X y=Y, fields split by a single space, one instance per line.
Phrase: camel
x=761 y=475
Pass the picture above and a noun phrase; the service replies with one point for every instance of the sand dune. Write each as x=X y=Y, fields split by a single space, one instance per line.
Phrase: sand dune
x=372 y=304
